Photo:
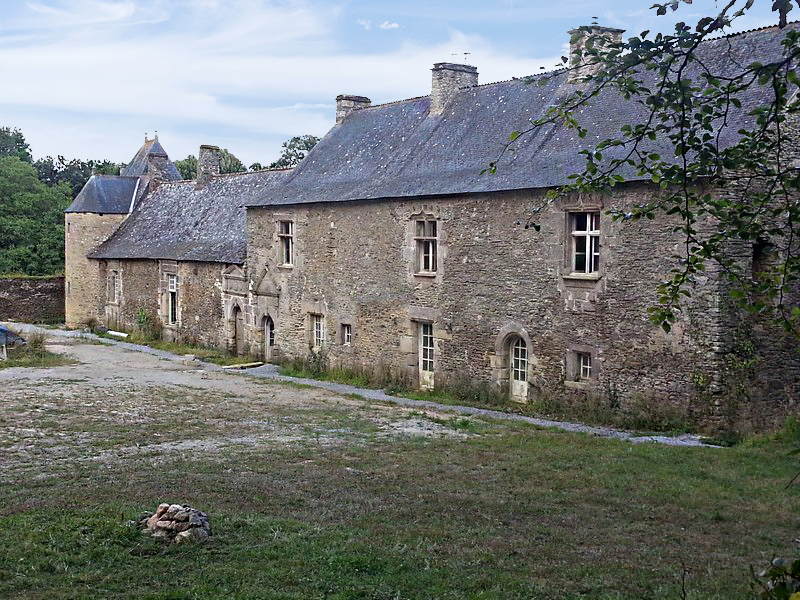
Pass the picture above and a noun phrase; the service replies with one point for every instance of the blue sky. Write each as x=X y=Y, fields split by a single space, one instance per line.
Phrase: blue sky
x=88 y=78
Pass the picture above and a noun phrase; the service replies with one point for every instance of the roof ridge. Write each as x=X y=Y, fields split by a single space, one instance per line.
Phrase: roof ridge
x=737 y=33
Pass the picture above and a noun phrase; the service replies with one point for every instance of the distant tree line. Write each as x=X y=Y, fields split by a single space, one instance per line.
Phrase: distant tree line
x=35 y=193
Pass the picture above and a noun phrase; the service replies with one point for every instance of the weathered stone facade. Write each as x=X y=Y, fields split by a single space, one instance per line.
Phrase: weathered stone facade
x=85 y=284
x=495 y=280
x=32 y=299
x=387 y=249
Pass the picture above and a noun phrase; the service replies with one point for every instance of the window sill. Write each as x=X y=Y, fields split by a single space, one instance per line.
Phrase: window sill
x=425 y=274
x=583 y=384
x=287 y=267
x=582 y=276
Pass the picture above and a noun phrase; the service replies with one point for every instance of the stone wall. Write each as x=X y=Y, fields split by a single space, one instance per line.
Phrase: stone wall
x=32 y=299
x=142 y=299
x=495 y=280
x=85 y=279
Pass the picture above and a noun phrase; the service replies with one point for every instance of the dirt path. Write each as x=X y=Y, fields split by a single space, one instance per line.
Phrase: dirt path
x=119 y=364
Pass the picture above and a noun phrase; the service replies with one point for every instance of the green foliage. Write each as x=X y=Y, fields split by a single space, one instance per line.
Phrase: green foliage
x=31 y=221
x=147 y=325
x=779 y=581
x=74 y=173
x=701 y=180
x=187 y=167
x=294 y=150
x=12 y=143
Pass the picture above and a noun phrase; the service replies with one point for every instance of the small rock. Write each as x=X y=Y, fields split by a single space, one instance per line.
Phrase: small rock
x=182 y=515
x=162 y=508
x=163 y=525
x=172 y=510
x=195 y=535
x=181 y=526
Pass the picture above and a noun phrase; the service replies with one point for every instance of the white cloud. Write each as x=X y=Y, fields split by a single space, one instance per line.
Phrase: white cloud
x=387 y=25
x=366 y=24
x=241 y=74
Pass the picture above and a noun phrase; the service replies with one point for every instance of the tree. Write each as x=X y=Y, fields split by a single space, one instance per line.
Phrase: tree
x=228 y=163
x=74 y=172
x=294 y=150
x=187 y=167
x=704 y=177
x=31 y=220
x=12 y=143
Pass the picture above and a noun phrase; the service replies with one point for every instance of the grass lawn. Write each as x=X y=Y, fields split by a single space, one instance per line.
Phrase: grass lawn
x=495 y=510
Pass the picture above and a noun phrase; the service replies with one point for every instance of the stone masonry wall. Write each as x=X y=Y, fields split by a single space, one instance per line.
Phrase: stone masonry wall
x=496 y=279
x=142 y=292
x=85 y=280
x=32 y=299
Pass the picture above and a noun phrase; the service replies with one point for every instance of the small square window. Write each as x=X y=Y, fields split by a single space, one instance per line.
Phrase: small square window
x=286 y=242
x=347 y=334
x=426 y=242
x=585 y=242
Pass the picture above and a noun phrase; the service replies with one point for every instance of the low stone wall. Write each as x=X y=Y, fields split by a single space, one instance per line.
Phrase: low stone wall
x=32 y=299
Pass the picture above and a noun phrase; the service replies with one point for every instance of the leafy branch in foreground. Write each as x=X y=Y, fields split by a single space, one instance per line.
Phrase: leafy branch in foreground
x=714 y=135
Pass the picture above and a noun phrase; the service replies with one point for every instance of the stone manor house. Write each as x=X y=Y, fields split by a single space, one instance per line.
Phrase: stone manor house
x=388 y=248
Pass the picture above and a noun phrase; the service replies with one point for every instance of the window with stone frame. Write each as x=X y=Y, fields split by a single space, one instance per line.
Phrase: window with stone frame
x=317 y=323
x=286 y=243
x=582 y=365
x=426 y=245
x=113 y=287
x=585 y=242
x=172 y=299
x=346 y=334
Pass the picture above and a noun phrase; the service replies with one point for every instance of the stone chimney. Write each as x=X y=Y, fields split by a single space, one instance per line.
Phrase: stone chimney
x=448 y=79
x=208 y=160
x=584 y=44
x=347 y=104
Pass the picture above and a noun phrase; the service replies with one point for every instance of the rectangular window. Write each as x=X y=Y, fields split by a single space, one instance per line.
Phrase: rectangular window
x=426 y=240
x=347 y=334
x=426 y=347
x=585 y=229
x=584 y=366
x=113 y=287
x=286 y=237
x=318 y=330
x=172 y=299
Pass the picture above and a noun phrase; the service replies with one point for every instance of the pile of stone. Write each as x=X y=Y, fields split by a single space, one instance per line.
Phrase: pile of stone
x=177 y=523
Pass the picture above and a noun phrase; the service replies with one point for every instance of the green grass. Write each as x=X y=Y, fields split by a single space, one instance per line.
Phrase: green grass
x=515 y=512
x=24 y=357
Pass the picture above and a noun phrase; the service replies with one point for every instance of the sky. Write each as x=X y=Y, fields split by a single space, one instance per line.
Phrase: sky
x=88 y=79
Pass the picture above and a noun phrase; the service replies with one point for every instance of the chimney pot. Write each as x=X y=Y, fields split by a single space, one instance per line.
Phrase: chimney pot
x=346 y=104
x=448 y=79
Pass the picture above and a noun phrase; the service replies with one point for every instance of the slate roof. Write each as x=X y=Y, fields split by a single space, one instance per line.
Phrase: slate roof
x=105 y=194
x=179 y=221
x=398 y=150
x=112 y=194
x=138 y=166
